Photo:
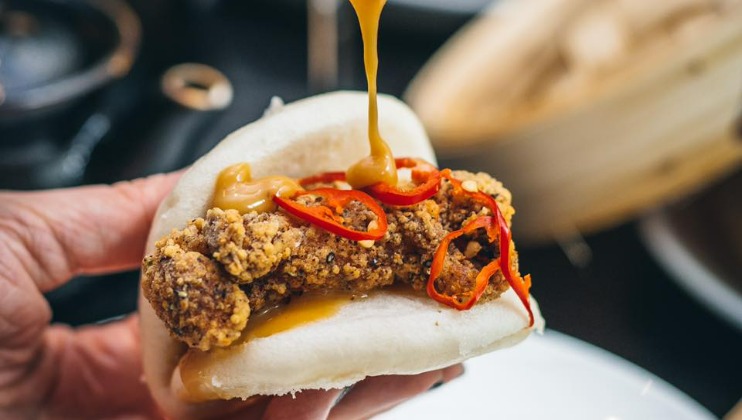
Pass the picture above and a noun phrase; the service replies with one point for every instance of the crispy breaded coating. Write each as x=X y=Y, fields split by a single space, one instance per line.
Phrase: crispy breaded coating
x=188 y=291
x=249 y=247
x=228 y=260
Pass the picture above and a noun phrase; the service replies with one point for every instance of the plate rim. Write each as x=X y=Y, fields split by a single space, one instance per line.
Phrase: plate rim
x=712 y=291
x=618 y=368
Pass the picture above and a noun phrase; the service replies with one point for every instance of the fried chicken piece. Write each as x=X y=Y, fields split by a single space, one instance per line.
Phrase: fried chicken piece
x=188 y=291
x=265 y=258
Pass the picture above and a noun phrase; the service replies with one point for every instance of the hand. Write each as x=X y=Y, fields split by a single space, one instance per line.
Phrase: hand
x=46 y=370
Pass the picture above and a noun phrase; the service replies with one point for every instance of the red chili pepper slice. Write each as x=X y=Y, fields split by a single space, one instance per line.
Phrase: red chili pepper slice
x=327 y=215
x=521 y=285
x=325 y=178
x=471 y=297
x=426 y=176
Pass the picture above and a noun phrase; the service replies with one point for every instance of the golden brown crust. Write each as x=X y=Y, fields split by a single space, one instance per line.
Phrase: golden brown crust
x=265 y=258
x=249 y=247
x=188 y=291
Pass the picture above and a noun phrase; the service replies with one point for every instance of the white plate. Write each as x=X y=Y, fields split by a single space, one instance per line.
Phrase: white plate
x=553 y=376
x=691 y=270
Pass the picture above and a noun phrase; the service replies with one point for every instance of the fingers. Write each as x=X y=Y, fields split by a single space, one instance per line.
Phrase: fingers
x=184 y=405
x=90 y=372
x=363 y=400
x=378 y=394
x=55 y=235
x=307 y=405
x=47 y=237
x=100 y=371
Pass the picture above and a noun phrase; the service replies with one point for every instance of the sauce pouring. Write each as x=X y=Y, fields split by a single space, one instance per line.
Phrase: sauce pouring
x=379 y=166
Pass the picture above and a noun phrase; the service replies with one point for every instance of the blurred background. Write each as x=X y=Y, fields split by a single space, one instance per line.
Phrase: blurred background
x=616 y=123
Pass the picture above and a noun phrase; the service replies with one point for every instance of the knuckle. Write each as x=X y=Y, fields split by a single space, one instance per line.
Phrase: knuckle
x=29 y=247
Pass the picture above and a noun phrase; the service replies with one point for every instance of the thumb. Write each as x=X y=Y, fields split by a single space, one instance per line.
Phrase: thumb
x=57 y=234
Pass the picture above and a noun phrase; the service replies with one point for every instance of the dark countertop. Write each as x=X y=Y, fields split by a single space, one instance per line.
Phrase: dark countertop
x=621 y=301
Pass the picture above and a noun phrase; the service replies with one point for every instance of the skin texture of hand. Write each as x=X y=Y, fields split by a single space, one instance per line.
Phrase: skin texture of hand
x=54 y=371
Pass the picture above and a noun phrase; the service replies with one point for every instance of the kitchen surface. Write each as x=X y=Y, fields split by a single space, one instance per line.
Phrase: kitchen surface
x=629 y=285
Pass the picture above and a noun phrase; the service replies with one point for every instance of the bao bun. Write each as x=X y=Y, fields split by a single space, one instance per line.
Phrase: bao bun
x=387 y=333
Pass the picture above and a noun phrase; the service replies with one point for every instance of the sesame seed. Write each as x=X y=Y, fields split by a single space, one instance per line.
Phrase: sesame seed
x=472 y=249
x=368 y=243
x=470 y=186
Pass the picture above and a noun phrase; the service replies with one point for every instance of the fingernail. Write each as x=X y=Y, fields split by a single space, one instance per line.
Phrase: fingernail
x=435 y=385
x=342 y=394
x=449 y=374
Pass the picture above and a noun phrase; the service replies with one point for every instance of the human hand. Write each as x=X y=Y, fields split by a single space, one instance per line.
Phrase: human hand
x=54 y=371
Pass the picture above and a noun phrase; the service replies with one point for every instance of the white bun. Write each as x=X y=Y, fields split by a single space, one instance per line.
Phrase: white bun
x=384 y=334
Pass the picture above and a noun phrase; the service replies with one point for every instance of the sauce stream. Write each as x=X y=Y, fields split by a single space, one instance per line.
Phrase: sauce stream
x=379 y=165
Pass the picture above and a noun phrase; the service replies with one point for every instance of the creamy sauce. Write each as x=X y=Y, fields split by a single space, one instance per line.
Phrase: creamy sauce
x=302 y=310
x=235 y=189
x=196 y=385
x=379 y=165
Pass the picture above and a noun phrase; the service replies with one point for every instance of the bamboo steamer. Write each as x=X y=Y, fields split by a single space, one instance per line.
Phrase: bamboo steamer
x=589 y=126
